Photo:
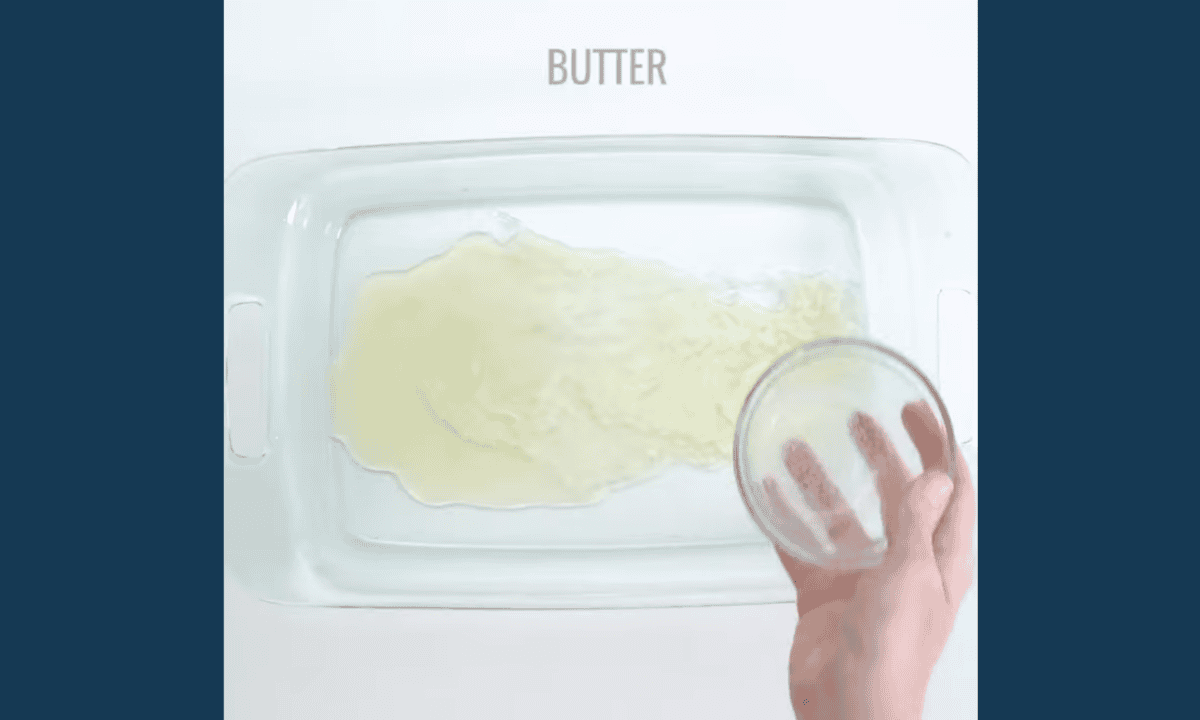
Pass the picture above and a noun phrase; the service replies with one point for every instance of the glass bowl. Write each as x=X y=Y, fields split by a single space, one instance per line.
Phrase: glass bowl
x=806 y=401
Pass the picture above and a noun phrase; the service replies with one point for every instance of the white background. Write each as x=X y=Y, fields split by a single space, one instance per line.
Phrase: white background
x=322 y=74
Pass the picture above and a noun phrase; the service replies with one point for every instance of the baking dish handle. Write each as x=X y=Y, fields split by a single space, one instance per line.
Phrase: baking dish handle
x=246 y=388
x=260 y=551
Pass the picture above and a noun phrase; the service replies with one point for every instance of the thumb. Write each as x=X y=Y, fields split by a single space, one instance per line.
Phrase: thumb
x=925 y=500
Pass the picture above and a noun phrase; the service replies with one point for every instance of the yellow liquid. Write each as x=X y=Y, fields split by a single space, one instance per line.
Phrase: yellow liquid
x=529 y=373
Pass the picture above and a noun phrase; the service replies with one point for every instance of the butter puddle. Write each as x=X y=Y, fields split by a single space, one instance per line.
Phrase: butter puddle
x=529 y=373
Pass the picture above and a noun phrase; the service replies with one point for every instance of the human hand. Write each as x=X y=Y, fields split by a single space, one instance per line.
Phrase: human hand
x=867 y=640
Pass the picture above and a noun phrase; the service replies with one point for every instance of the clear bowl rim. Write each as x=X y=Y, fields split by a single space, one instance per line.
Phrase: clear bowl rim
x=776 y=369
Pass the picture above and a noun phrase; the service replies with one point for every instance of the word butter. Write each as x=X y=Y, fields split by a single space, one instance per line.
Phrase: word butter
x=581 y=66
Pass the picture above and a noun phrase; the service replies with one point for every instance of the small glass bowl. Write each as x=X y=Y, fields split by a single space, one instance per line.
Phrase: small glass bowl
x=811 y=395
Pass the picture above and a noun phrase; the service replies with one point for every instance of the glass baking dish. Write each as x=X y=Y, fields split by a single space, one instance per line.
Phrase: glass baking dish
x=304 y=524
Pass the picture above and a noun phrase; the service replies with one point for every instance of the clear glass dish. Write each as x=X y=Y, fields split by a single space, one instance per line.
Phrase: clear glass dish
x=811 y=396
x=305 y=524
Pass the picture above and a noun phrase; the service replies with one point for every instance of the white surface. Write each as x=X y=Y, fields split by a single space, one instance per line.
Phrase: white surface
x=331 y=74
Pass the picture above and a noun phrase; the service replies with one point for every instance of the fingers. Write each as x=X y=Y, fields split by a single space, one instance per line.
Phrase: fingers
x=927 y=434
x=815 y=585
x=876 y=447
x=822 y=495
x=891 y=474
x=921 y=510
x=784 y=518
x=952 y=537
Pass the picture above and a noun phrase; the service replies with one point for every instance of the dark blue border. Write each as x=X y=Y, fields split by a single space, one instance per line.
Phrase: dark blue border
x=1086 y=206
x=113 y=277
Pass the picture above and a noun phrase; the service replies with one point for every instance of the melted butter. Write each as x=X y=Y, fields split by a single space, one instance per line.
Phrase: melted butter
x=529 y=373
